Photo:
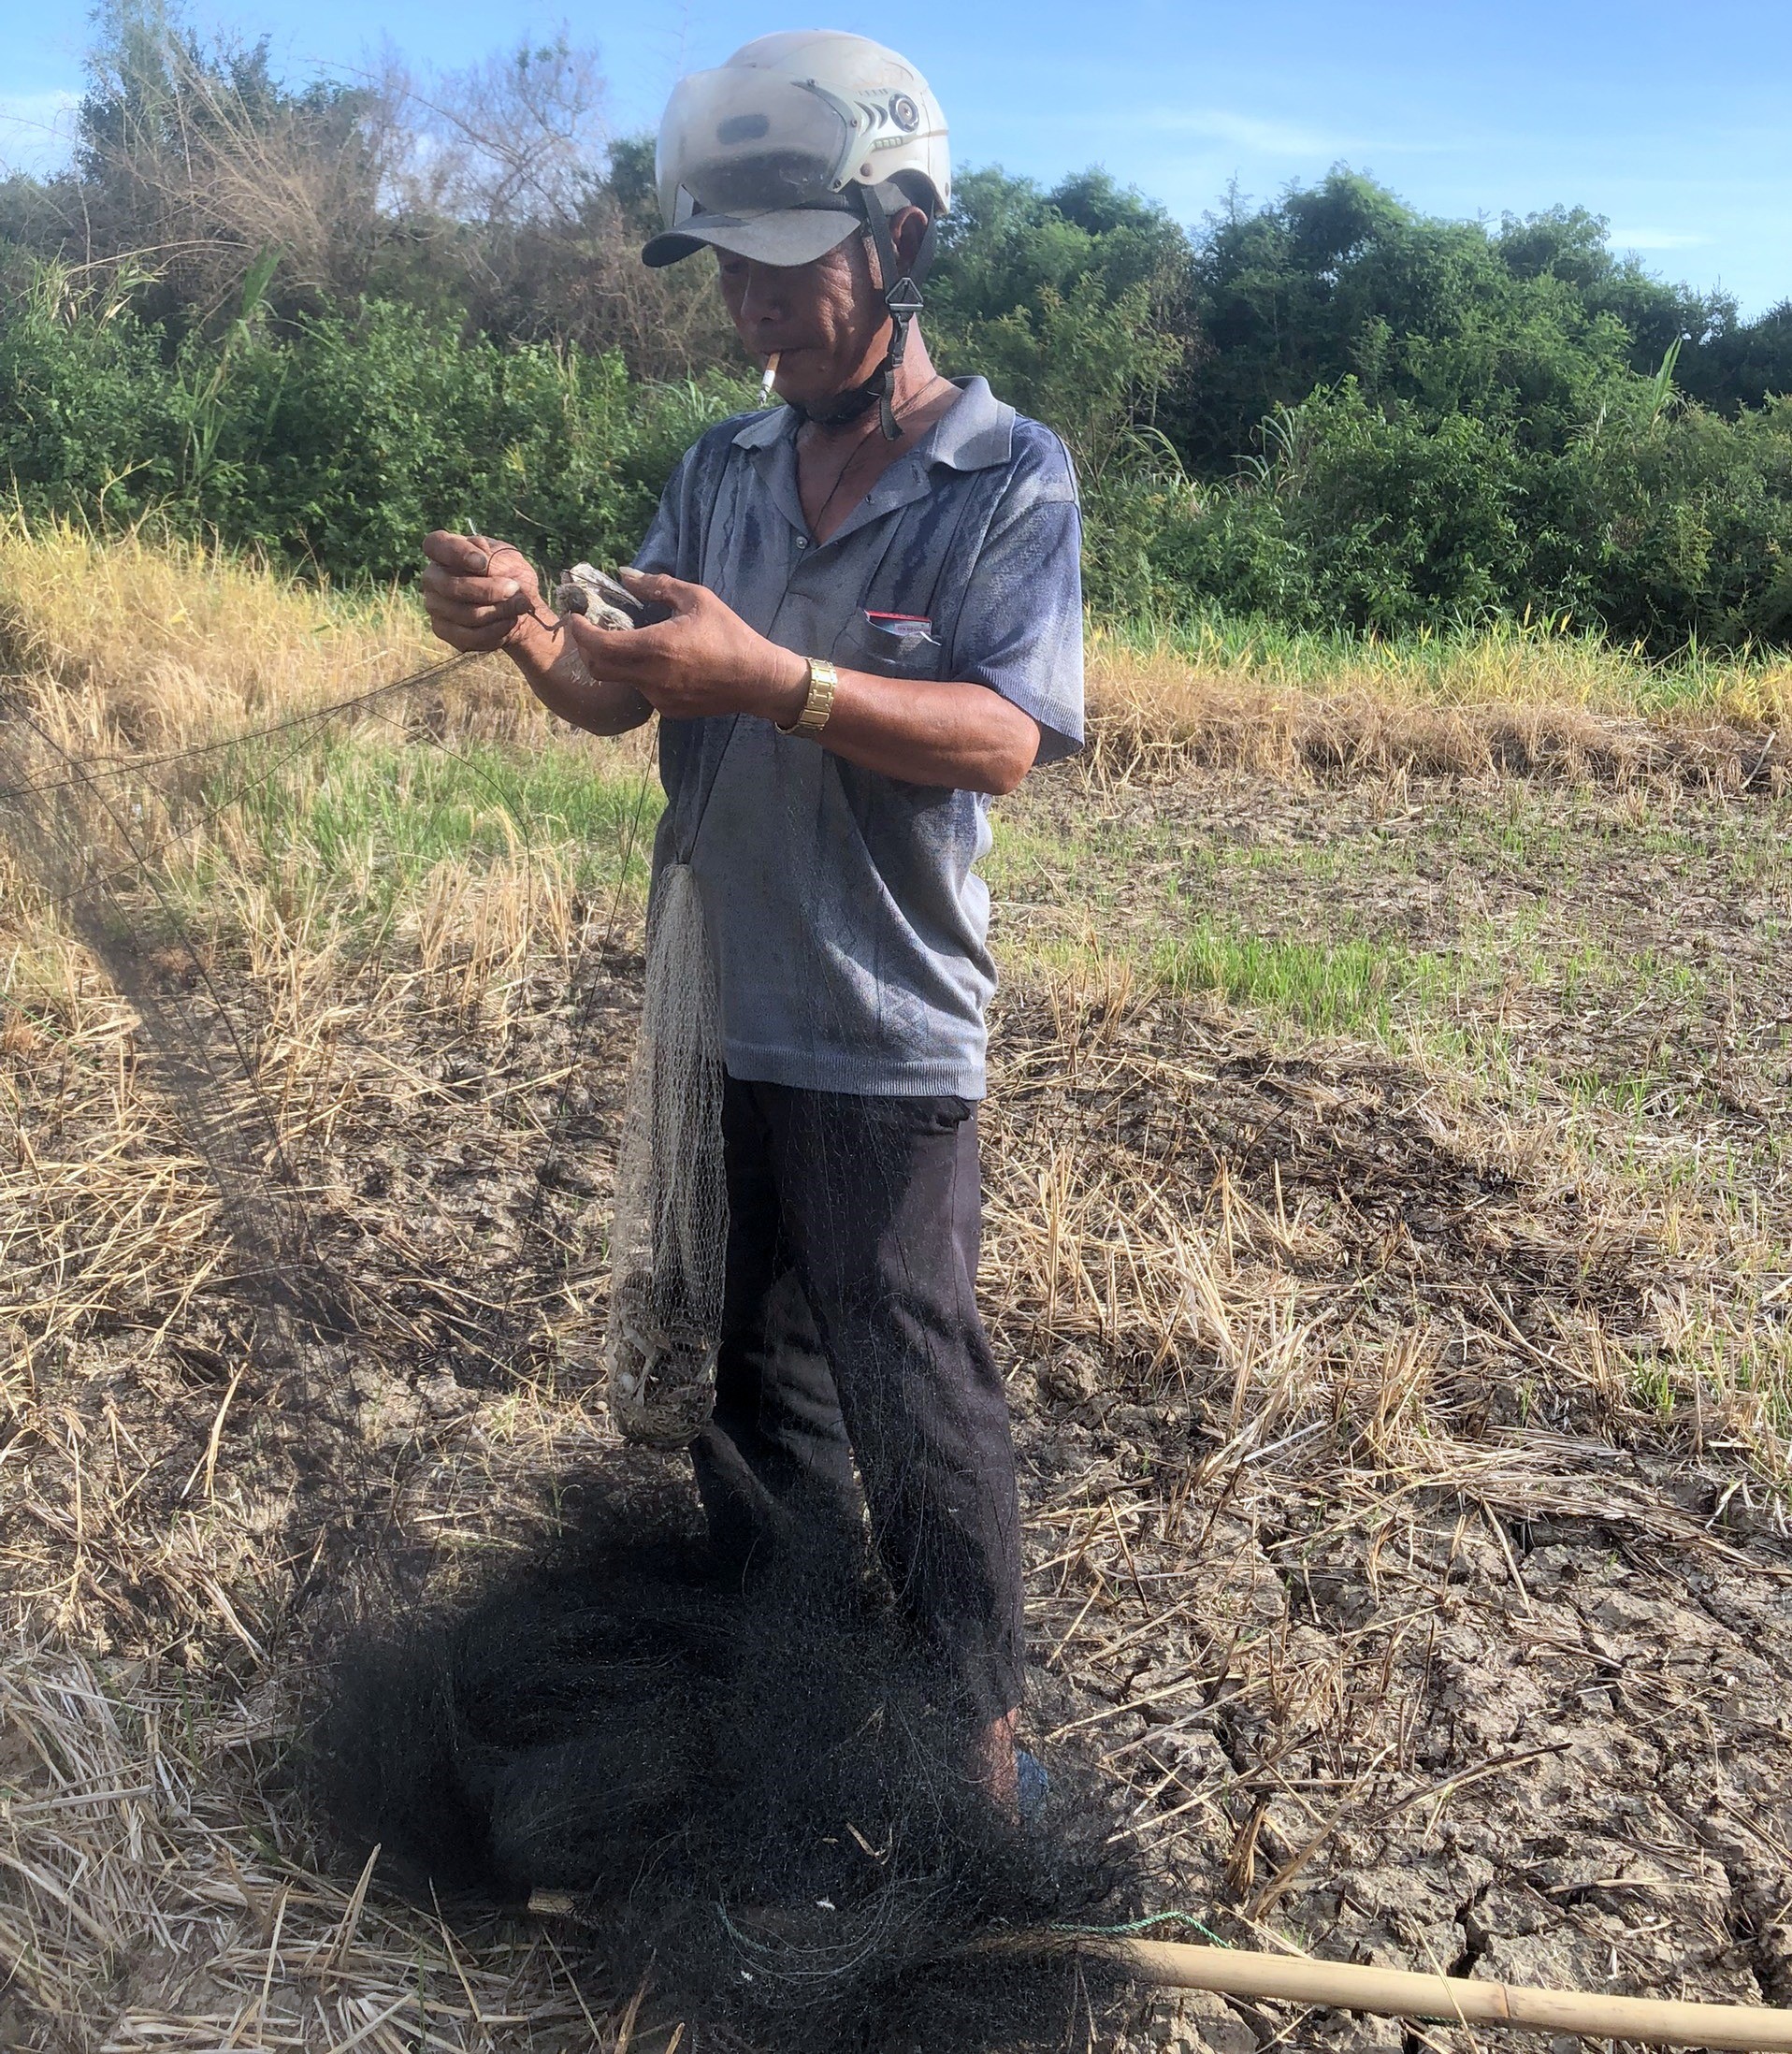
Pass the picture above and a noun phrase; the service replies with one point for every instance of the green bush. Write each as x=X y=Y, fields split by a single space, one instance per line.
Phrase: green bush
x=1661 y=522
x=1508 y=476
x=1678 y=525
x=1064 y=301
x=90 y=409
x=1527 y=325
x=337 y=442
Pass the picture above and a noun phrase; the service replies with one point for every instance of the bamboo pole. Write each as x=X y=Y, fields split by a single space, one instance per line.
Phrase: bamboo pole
x=1349 y=1986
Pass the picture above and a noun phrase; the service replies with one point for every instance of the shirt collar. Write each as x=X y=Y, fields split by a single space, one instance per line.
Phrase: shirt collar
x=973 y=433
x=763 y=430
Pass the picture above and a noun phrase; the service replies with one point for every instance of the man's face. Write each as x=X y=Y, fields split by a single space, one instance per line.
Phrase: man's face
x=826 y=319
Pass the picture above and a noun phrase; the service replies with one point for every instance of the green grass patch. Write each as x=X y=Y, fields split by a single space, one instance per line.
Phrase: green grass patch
x=357 y=825
x=1332 y=987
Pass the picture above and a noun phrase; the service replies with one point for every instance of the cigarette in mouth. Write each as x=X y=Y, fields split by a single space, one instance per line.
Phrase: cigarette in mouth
x=771 y=373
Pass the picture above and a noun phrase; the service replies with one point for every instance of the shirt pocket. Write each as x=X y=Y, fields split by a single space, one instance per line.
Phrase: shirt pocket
x=888 y=645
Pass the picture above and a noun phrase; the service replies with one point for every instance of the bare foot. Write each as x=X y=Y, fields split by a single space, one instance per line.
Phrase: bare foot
x=993 y=1753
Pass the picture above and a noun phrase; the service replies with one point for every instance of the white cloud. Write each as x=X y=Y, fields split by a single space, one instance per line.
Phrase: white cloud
x=1655 y=238
x=1262 y=135
x=1268 y=139
x=37 y=129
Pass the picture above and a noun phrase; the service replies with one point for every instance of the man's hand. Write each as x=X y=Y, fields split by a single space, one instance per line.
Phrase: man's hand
x=479 y=594
x=705 y=660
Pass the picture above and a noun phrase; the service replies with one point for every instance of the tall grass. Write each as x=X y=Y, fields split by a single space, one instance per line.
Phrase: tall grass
x=153 y=643
x=1526 y=662
x=362 y=817
x=1525 y=695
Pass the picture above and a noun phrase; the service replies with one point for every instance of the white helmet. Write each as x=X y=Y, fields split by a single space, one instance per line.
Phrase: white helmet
x=798 y=140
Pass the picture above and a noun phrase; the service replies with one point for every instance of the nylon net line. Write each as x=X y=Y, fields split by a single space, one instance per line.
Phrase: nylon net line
x=96 y=840
x=669 y=1236
x=192 y=878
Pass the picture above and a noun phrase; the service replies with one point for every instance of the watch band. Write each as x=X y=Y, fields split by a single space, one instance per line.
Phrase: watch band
x=823 y=681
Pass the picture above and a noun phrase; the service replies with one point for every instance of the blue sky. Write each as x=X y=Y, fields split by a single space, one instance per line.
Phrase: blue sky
x=1672 y=122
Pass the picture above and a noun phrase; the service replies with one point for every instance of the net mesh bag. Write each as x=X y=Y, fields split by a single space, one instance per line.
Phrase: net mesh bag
x=669 y=1236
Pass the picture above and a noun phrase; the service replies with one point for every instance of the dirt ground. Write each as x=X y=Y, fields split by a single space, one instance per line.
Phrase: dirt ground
x=1402 y=1408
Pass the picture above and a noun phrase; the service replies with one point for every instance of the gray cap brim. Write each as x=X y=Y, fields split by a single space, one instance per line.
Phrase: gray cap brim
x=792 y=236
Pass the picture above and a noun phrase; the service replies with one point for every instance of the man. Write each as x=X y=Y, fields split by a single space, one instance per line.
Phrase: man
x=876 y=626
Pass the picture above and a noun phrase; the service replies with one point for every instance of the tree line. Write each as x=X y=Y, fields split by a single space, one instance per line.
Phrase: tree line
x=316 y=317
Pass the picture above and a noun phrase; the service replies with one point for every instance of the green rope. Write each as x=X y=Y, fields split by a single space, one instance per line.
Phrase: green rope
x=1141 y=1925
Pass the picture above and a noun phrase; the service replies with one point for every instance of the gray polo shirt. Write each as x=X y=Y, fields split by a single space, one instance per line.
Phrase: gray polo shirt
x=848 y=925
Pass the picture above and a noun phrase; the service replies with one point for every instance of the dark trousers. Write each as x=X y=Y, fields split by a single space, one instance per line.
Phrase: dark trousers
x=851 y=1336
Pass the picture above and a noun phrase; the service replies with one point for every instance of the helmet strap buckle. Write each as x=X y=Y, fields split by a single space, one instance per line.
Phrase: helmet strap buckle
x=901 y=301
x=904 y=299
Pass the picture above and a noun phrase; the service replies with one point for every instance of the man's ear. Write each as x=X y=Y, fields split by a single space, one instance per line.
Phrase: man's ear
x=907 y=229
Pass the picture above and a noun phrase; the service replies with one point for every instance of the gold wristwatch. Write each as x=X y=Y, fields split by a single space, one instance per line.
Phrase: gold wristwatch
x=823 y=681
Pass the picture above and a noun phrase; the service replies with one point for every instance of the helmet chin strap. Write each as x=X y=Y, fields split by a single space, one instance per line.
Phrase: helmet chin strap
x=902 y=302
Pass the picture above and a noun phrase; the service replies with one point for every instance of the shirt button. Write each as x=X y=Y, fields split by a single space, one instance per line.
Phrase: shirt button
x=803 y=541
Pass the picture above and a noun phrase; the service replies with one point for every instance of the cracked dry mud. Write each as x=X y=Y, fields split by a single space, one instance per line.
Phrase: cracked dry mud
x=1488 y=1672
x=1502 y=1702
